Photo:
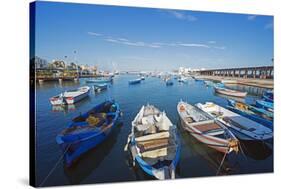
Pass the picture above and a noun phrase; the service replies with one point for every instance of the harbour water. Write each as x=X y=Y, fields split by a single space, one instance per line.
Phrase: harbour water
x=108 y=162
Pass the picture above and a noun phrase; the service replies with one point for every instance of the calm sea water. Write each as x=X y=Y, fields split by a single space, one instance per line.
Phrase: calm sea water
x=108 y=162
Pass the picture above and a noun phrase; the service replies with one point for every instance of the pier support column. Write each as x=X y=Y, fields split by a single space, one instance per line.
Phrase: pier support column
x=41 y=81
x=60 y=81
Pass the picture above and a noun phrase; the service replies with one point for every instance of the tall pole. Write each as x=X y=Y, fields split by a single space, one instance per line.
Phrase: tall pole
x=75 y=61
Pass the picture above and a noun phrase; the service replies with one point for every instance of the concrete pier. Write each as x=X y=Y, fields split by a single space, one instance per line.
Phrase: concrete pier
x=252 y=76
x=262 y=83
x=262 y=72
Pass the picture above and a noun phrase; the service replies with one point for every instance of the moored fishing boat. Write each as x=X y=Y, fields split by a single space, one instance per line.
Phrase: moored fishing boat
x=74 y=96
x=100 y=87
x=154 y=143
x=57 y=100
x=70 y=96
x=251 y=112
x=242 y=127
x=268 y=96
x=88 y=130
x=100 y=80
x=265 y=105
x=229 y=92
x=205 y=129
x=182 y=79
x=134 y=81
x=169 y=82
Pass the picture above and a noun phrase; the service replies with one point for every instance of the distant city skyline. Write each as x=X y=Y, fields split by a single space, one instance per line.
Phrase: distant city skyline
x=129 y=38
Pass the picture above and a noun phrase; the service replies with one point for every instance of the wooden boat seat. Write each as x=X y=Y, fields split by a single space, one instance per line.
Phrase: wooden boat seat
x=167 y=153
x=207 y=127
x=153 y=144
x=153 y=136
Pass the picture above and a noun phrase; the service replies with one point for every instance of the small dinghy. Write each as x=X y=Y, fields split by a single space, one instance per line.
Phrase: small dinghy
x=205 y=129
x=71 y=96
x=229 y=92
x=265 y=105
x=256 y=114
x=169 y=82
x=182 y=80
x=88 y=130
x=242 y=127
x=135 y=81
x=100 y=87
x=154 y=143
x=100 y=80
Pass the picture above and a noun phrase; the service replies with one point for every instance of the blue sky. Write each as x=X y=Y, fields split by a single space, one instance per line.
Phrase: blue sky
x=129 y=38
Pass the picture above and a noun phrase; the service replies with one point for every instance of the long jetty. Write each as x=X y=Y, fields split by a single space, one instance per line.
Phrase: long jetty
x=252 y=76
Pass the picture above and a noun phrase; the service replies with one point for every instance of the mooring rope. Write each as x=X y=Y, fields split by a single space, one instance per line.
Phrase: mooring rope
x=226 y=152
x=55 y=166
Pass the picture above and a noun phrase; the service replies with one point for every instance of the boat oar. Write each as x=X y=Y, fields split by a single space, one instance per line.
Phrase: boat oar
x=127 y=144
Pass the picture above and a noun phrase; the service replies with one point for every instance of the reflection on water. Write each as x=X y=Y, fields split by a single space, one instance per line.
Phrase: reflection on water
x=256 y=150
x=109 y=162
x=230 y=97
x=88 y=162
x=70 y=107
x=212 y=157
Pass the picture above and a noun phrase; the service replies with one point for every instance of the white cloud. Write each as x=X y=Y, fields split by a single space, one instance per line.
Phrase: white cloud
x=251 y=17
x=268 y=26
x=94 y=34
x=111 y=40
x=221 y=48
x=182 y=16
x=194 y=45
x=125 y=41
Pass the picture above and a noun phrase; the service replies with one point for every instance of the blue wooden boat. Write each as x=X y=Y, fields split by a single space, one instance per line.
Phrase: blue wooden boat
x=265 y=105
x=88 y=130
x=100 y=80
x=169 y=82
x=268 y=96
x=100 y=87
x=135 y=81
x=247 y=111
x=154 y=143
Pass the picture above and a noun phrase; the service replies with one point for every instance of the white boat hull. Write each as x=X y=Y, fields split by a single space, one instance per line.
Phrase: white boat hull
x=242 y=127
x=72 y=100
x=55 y=101
x=214 y=143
